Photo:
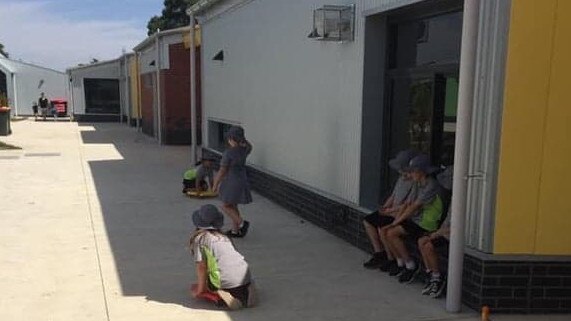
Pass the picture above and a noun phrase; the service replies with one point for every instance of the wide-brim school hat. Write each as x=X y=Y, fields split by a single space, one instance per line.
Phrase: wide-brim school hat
x=236 y=133
x=445 y=178
x=400 y=162
x=421 y=163
x=208 y=158
x=208 y=217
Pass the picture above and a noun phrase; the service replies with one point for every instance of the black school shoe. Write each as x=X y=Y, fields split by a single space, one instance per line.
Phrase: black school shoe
x=438 y=288
x=386 y=265
x=244 y=229
x=233 y=234
x=376 y=261
x=396 y=270
x=241 y=232
x=408 y=276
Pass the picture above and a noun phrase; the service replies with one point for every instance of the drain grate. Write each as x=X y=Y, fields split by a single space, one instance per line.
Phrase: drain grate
x=9 y=157
x=42 y=154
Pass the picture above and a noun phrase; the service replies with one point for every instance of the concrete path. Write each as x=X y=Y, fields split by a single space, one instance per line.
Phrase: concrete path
x=93 y=227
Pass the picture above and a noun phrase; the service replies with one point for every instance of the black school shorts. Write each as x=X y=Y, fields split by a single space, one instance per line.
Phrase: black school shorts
x=413 y=230
x=378 y=220
x=440 y=241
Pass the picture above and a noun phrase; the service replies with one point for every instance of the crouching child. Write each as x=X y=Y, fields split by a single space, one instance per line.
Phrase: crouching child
x=223 y=275
x=200 y=178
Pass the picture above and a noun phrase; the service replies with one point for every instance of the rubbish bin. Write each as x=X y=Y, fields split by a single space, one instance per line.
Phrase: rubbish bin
x=60 y=105
x=5 y=121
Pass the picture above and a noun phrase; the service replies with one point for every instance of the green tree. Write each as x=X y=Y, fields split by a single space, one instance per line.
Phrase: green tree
x=3 y=52
x=173 y=16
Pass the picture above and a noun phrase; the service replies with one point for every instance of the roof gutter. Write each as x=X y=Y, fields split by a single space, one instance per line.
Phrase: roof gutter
x=201 y=6
x=151 y=39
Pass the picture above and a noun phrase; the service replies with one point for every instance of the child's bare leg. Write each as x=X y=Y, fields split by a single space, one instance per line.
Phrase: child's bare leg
x=232 y=211
x=422 y=242
x=397 y=245
x=430 y=256
x=386 y=243
x=373 y=236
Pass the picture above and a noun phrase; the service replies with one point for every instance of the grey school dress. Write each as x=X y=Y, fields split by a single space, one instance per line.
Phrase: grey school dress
x=234 y=187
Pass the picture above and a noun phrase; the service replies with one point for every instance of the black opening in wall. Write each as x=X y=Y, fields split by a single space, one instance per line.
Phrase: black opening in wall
x=102 y=96
x=217 y=134
x=3 y=84
x=410 y=89
x=422 y=84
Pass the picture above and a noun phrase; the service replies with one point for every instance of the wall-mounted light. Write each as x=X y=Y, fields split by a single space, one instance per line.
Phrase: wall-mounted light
x=333 y=23
x=219 y=56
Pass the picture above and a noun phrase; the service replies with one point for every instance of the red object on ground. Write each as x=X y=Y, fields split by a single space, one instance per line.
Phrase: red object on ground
x=208 y=296
x=60 y=105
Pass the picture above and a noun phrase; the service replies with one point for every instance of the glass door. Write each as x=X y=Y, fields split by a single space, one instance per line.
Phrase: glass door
x=422 y=86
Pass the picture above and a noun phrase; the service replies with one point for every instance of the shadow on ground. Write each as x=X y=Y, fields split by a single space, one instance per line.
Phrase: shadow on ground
x=145 y=214
x=302 y=271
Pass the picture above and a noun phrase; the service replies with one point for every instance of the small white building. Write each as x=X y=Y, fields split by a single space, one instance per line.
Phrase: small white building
x=95 y=91
x=23 y=83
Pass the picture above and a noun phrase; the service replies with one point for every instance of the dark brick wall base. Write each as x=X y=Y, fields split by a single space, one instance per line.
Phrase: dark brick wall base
x=97 y=118
x=505 y=284
x=133 y=122
x=517 y=284
x=339 y=219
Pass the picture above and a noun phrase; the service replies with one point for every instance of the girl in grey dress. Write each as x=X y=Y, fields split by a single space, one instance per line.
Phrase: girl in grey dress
x=231 y=182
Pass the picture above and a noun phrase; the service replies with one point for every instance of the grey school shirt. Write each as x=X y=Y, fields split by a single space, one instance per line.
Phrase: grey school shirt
x=425 y=194
x=403 y=187
x=234 y=271
x=202 y=173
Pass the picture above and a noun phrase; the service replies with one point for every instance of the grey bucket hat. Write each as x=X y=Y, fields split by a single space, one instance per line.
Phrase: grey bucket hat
x=208 y=217
x=445 y=178
x=421 y=163
x=400 y=162
x=236 y=133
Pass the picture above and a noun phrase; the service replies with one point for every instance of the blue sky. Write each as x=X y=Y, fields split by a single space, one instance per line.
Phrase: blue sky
x=63 y=33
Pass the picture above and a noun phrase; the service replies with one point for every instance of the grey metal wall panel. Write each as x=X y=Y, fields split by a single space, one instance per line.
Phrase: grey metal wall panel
x=486 y=122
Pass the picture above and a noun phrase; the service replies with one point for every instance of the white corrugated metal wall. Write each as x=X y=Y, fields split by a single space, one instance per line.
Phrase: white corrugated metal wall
x=298 y=99
x=30 y=81
x=301 y=100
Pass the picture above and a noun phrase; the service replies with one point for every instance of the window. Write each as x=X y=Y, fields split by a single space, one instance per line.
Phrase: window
x=216 y=135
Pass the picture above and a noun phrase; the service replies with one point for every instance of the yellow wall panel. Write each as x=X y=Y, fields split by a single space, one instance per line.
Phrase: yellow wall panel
x=525 y=110
x=554 y=215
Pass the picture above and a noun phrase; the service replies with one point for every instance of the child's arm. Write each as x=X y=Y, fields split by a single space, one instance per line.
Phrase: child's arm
x=210 y=181
x=443 y=231
x=219 y=176
x=393 y=210
x=247 y=145
x=197 y=186
x=388 y=204
x=406 y=213
x=201 y=279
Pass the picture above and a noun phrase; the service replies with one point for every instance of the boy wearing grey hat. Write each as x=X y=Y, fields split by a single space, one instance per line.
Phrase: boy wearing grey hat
x=223 y=275
x=427 y=244
x=386 y=213
x=419 y=218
